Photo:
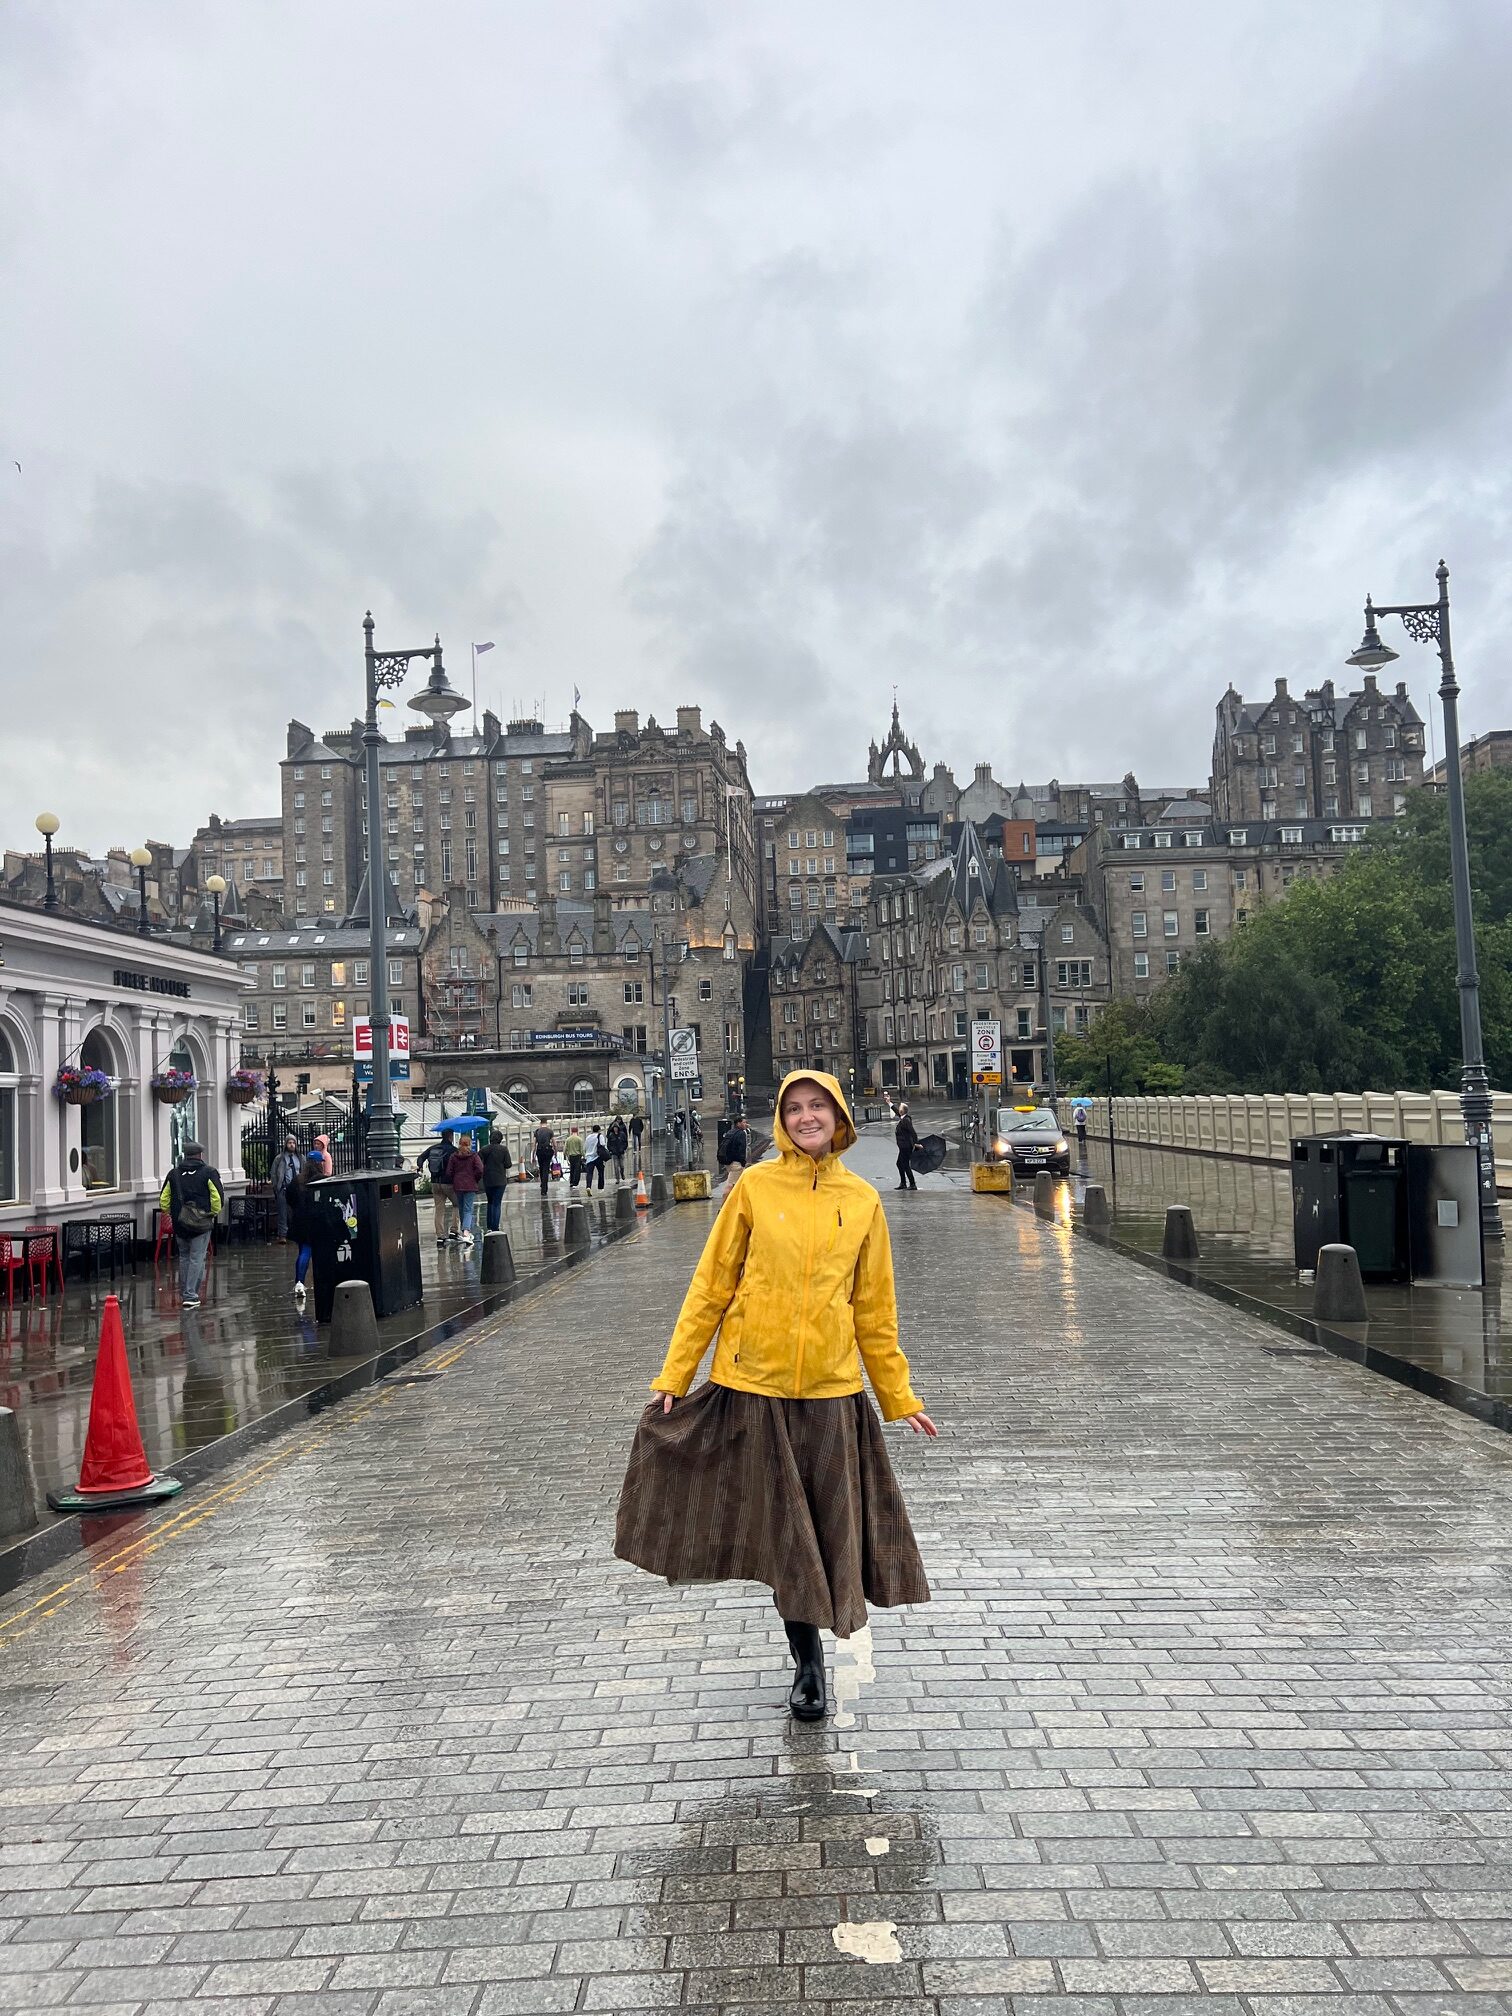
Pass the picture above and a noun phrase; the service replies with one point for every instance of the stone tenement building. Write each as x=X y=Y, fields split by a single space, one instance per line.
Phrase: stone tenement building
x=817 y=1019
x=949 y=945
x=1326 y=755
x=1165 y=892
x=249 y=854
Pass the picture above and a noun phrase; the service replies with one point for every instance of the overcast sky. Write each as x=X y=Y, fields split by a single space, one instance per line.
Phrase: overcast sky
x=1057 y=365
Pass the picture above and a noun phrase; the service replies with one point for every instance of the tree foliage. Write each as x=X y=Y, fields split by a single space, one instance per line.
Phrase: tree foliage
x=1349 y=983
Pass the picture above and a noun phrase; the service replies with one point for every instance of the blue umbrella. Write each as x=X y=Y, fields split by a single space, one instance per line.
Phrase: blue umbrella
x=466 y=1123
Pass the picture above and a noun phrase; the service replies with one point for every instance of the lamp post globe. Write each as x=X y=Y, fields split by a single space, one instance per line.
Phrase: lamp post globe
x=47 y=824
x=141 y=860
x=216 y=884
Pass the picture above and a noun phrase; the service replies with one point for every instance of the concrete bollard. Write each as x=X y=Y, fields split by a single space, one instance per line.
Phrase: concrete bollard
x=1180 y=1242
x=354 y=1327
x=660 y=1189
x=1338 y=1289
x=18 y=1501
x=498 y=1268
x=624 y=1203
x=578 y=1230
x=1096 y=1215
x=1044 y=1194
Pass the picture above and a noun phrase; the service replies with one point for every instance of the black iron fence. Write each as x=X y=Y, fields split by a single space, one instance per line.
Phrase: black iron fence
x=267 y=1127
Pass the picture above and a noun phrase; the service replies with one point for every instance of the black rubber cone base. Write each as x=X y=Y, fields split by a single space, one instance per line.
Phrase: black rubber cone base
x=117 y=1501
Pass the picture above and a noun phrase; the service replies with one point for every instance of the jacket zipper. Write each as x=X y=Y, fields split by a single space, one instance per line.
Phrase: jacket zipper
x=808 y=1268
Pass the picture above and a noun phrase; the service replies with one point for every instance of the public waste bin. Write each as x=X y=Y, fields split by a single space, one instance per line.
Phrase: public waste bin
x=381 y=1244
x=1351 y=1190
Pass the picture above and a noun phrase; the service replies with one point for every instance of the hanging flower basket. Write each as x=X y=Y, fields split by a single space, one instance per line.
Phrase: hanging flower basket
x=242 y=1087
x=81 y=1085
x=172 y=1088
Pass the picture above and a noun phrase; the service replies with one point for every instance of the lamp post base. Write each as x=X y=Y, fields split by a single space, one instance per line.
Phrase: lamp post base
x=1475 y=1104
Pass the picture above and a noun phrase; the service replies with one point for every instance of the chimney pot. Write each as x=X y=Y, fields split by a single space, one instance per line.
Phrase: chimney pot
x=626 y=720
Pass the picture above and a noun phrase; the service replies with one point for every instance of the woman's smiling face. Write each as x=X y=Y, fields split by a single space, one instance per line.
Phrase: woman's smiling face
x=809 y=1118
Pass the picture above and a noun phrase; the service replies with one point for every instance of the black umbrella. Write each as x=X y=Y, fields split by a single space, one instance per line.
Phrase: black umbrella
x=928 y=1154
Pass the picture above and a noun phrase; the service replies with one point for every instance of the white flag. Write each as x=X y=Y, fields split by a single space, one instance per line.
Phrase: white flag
x=478 y=648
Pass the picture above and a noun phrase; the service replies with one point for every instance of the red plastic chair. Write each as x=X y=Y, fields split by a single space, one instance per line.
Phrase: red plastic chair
x=164 y=1236
x=41 y=1258
x=52 y=1245
x=13 y=1263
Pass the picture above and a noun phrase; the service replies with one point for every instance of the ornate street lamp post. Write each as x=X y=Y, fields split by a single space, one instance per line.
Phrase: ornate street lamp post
x=47 y=825
x=216 y=884
x=141 y=860
x=439 y=702
x=1428 y=623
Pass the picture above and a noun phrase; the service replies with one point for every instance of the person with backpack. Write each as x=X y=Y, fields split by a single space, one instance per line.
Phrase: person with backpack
x=286 y=1166
x=436 y=1162
x=193 y=1198
x=497 y=1162
x=544 y=1143
x=595 y=1155
x=734 y=1150
x=617 y=1140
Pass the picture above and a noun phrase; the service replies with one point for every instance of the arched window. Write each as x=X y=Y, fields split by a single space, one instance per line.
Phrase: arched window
x=519 y=1090
x=98 y=1123
x=186 y=1122
x=10 y=1157
x=584 y=1095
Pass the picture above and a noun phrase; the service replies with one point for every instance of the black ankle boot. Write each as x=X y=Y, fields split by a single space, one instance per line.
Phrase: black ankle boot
x=808 y=1699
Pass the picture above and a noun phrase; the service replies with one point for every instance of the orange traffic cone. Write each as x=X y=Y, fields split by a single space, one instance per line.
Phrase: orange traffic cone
x=115 y=1471
x=642 y=1201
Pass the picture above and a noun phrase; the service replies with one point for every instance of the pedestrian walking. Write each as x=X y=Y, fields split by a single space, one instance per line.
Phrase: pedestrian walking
x=464 y=1173
x=776 y=1469
x=573 y=1150
x=497 y=1163
x=735 y=1149
x=543 y=1142
x=323 y=1150
x=1081 y=1132
x=286 y=1166
x=193 y=1197
x=595 y=1155
x=436 y=1162
x=617 y=1140
x=637 y=1129
x=907 y=1138
x=303 y=1211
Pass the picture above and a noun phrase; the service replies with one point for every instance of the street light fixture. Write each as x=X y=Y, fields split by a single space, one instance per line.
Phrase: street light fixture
x=438 y=703
x=216 y=884
x=47 y=825
x=1428 y=623
x=141 y=860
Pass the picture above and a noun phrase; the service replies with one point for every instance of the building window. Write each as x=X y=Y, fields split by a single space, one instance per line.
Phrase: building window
x=1073 y=973
x=1141 y=965
x=307 y=1013
x=522 y=994
x=1365 y=806
x=983 y=980
x=280 y=1015
x=1139 y=923
x=577 y=993
x=249 y=1021
x=1068 y=934
x=396 y=973
x=360 y=973
x=635 y=992
x=706 y=990
x=1173 y=961
x=1136 y=885
x=338 y=1014
x=280 y=976
x=1199 y=878
x=1168 y=879
x=1200 y=923
x=307 y=976
x=1024 y=1023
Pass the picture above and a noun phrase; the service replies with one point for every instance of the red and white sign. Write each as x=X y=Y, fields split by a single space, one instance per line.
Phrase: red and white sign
x=362 y=1037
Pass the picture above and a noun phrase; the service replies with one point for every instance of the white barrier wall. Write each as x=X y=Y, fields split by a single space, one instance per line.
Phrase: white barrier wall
x=1262 y=1126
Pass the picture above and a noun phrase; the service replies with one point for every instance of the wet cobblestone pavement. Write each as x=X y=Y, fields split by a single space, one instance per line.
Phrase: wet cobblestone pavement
x=1211 y=1702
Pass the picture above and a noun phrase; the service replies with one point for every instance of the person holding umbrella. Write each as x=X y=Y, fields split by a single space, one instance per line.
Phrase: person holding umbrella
x=907 y=1137
x=776 y=1470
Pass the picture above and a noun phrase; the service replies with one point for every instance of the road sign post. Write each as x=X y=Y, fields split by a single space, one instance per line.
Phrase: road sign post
x=986 y=1070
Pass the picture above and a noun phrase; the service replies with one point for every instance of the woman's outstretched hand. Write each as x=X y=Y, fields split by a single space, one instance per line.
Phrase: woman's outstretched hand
x=667 y=1399
x=921 y=1424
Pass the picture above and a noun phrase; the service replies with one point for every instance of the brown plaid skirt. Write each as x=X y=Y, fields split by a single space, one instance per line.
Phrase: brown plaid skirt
x=798 y=1494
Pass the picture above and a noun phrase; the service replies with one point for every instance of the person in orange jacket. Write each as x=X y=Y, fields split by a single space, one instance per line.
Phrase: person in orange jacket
x=776 y=1470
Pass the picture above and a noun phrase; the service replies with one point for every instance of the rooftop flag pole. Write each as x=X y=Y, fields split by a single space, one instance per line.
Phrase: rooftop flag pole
x=477 y=648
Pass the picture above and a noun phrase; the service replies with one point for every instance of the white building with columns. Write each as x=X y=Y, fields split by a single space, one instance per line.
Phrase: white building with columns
x=77 y=993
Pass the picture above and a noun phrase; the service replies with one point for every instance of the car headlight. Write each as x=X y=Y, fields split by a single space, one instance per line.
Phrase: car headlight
x=1060 y=1146
x=1000 y=1147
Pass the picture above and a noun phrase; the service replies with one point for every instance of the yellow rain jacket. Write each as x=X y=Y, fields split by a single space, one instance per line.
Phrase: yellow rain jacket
x=797 y=1278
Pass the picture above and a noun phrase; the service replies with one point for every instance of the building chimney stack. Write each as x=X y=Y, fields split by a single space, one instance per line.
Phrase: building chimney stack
x=690 y=720
x=626 y=721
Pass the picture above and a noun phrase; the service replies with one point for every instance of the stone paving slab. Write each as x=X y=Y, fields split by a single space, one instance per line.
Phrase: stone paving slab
x=1209 y=1708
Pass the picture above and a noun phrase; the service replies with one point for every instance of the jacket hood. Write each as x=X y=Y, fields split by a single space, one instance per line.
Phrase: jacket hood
x=845 y=1132
x=322 y=1140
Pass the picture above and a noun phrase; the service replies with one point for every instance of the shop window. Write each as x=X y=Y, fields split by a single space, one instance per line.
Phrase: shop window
x=10 y=1095
x=98 y=1140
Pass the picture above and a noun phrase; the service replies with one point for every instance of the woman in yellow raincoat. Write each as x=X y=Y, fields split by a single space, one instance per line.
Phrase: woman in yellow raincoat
x=776 y=1471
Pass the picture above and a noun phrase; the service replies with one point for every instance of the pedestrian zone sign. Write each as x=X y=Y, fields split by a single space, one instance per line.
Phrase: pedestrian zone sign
x=362 y=1048
x=987 y=1053
x=684 y=1048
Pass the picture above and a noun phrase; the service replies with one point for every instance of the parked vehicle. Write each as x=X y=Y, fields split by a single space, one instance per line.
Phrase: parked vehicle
x=1031 y=1138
